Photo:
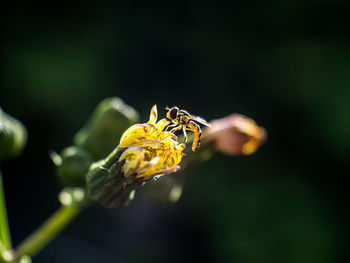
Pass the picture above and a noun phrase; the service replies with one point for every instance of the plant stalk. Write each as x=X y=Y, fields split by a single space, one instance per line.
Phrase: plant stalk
x=48 y=230
x=5 y=237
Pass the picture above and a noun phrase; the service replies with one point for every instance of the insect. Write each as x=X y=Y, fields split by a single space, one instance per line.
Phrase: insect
x=181 y=119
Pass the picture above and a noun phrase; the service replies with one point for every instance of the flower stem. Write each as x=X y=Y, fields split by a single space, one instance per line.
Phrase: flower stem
x=49 y=230
x=5 y=237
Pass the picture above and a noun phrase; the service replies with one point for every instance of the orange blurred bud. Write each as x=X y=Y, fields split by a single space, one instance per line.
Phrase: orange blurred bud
x=236 y=134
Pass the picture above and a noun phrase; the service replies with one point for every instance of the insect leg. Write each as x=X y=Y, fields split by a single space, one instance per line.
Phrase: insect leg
x=176 y=129
x=185 y=134
x=170 y=126
x=174 y=123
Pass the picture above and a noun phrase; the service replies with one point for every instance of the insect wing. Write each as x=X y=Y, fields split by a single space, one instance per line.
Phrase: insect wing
x=200 y=120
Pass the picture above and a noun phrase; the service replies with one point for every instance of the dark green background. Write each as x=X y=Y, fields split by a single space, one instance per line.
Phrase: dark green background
x=286 y=64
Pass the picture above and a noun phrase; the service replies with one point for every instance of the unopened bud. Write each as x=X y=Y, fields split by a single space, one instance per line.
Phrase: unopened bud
x=73 y=165
x=236 y=135
x=107 y=123
x=13 y=136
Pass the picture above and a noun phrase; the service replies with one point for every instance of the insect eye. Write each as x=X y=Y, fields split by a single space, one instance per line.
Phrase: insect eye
x=173 y=113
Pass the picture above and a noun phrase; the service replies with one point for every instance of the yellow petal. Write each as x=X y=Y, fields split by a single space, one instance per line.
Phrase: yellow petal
x=154 y=115
x=133 y=159
x=134 y=134
x=147 y=143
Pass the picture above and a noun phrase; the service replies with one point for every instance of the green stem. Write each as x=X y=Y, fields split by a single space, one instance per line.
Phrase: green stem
x=5 y=237
x=49 y=230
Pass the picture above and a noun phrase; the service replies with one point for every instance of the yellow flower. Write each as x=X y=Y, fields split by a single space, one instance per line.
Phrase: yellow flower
x=151 y=151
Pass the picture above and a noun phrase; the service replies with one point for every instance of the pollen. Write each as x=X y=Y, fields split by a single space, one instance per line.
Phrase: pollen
x=150 y=150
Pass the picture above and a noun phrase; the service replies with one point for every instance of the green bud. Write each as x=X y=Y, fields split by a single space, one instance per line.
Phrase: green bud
x=72 y=165
x=106 y=183
x=13 y=136
x=106 y=125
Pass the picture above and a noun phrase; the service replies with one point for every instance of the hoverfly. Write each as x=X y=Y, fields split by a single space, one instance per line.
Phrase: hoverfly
x=181 y=119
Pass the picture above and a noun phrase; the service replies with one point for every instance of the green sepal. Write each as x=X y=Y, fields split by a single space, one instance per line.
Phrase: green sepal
x=106 y=183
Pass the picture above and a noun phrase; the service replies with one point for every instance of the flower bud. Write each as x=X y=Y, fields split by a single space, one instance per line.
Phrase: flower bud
x=73 y=165
x=145 y=151
x=235 y=135
x=102 y=132
x=13 y=136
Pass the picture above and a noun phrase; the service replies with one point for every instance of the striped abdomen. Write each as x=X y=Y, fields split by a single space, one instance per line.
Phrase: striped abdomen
x=197 y=134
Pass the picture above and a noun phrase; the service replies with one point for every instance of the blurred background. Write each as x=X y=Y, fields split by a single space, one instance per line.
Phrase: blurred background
x=286 y=64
